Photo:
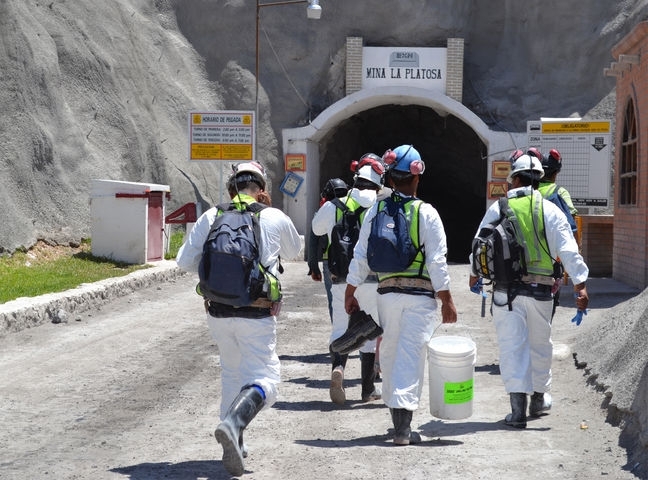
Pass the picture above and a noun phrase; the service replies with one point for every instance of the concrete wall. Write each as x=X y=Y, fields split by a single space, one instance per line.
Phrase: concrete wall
x=120 y=224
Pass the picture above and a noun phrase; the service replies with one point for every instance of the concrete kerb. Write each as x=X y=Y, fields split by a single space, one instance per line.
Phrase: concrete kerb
x=27 y=312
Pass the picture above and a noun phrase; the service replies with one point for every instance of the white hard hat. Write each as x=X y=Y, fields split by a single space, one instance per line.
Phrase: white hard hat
x=526 y=165
x=254 y=169
x=370 y=174
x=370 y=167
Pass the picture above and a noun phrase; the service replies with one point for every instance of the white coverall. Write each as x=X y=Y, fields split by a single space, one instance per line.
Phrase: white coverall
x=247 y=346
x=409 y=321
x=524 y=334
x=323 y=222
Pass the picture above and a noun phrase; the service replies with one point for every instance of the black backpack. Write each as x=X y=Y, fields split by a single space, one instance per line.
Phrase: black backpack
x=229 y=270
x=390 y=247
x=343 y=238
x=499 y=249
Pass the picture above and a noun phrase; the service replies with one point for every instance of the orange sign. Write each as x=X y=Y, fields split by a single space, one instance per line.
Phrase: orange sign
x=295 y=162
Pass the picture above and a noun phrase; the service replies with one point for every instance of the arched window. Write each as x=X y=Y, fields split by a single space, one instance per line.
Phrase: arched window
x=628 y=158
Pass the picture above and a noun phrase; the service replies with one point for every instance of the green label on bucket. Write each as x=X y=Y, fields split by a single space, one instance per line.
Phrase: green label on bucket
x=457 y=392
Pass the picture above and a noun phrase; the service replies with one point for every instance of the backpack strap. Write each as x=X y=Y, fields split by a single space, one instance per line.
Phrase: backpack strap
x=255 y=207
x=504 y=207
x=419 y=248
x=224 y=207
x=339 y=204
x=252 y=207
x=558 y=267
x=344 y=208
x=513 y=288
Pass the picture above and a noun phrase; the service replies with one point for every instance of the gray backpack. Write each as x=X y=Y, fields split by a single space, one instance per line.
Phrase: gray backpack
x=499 y=249
x=229 y=270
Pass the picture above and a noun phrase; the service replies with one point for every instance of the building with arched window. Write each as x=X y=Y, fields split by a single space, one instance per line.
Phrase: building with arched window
x=630 y=250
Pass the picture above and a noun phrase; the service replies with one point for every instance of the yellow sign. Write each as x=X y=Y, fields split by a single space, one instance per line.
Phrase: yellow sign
x=205 y=151
x=237 y=152
x=225 y=135
x=576 y=127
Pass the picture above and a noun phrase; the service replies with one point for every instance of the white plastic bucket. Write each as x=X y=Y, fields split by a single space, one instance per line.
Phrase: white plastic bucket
x=451 y=367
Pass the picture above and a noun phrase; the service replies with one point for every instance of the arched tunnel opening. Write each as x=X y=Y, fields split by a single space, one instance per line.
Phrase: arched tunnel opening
x=455 y=175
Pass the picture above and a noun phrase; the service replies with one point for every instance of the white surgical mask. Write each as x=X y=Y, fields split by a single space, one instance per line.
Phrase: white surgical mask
x=365 y=198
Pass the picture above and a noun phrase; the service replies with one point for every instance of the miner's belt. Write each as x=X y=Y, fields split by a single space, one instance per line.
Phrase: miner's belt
x=539 y=279
x=537 y=291
x=261 y=303
x=259 y=309
x=258 y=303
x=407 y=282
x=371 y=278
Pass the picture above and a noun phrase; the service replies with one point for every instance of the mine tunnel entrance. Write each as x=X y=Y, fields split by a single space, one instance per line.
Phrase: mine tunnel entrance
x=455 y=175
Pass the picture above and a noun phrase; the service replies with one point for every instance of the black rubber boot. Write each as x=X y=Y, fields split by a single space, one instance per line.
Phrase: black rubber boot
x=230 y=431
x=403 y=434
x=517 y=418
x=243 y=446
x=368 y=375
x=338 y=360
x=361 y=328
x=540 y=402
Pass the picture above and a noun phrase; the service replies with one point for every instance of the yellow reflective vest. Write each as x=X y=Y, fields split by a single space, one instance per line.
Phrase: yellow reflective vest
x=530 y=215
x=417 y=268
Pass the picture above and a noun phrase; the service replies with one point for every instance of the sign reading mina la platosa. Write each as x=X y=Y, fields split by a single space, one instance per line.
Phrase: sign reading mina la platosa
x=415 y=67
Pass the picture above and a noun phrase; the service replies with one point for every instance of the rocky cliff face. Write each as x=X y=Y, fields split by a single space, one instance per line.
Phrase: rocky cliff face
x=92 y=89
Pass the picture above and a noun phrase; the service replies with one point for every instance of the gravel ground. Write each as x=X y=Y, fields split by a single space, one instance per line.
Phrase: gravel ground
x=129 y=388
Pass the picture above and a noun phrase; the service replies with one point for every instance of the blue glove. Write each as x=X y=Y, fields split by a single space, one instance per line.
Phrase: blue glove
x=578 y=318
x=478 y=288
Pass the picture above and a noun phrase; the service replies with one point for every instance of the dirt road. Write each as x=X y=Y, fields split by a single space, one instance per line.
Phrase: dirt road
x=131 y=391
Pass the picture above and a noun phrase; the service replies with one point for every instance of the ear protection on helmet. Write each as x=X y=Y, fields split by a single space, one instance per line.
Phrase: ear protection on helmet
x=368 y=169
x=515 y=154
x=555 y=154
x=370 y=159
x=535 y=152
x=417 y=167
x=552 y=162
x=391 y=159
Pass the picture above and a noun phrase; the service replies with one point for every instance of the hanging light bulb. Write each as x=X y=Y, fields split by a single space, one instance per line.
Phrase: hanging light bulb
x=314 y=10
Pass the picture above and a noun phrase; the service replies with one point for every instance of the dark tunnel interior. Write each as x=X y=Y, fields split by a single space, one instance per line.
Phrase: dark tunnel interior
x=455 y=175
